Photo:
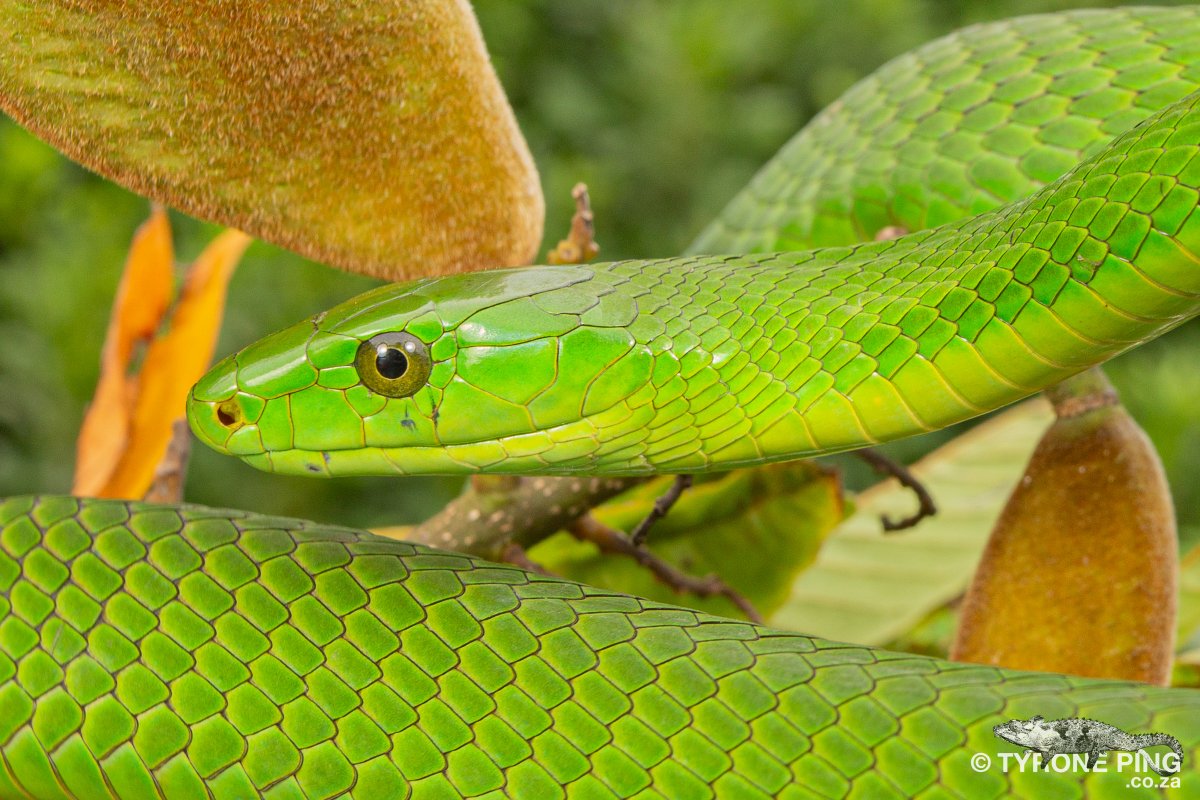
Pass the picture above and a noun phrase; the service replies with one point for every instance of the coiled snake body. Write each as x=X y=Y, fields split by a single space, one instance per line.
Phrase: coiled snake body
x=187 y=652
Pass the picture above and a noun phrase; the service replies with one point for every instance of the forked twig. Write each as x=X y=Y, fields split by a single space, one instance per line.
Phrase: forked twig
x=661 y=506
x=610 y=540
x=886 y=466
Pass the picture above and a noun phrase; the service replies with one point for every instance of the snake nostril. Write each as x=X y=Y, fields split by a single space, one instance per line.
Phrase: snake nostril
x=229 y=415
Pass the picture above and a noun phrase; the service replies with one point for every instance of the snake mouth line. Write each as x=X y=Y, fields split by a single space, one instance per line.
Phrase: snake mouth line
x=360 y=462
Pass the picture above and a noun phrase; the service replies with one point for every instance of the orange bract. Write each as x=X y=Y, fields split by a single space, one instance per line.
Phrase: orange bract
x=128 y=426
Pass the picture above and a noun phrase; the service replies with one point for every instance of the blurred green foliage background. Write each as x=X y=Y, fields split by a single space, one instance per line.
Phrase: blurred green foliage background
x=665 y=108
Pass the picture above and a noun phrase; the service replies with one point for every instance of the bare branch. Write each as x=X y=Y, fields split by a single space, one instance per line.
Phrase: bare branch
x=886 y=466
x=494 y=512
x=610 y=540
x=661 y=506
x=513 y=553
x=171 y=472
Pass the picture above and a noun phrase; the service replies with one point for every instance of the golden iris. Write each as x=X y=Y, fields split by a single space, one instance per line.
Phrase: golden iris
x=393 y=364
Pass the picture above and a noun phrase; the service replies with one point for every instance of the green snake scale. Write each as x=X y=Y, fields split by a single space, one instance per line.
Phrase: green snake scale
x=182 y=653
x=148 y=651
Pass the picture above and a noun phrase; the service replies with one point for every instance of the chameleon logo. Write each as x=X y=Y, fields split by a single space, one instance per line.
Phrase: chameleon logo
x=1075 y=735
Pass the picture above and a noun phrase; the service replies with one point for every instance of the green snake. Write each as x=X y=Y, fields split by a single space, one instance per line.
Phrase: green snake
x=150 y=651
x=711 y=362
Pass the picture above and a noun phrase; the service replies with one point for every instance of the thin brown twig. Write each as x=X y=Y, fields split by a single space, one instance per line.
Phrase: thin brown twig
x=661 y=506
x=886 y=466
x=580 y=245
x=171 y=472
x=610 y=540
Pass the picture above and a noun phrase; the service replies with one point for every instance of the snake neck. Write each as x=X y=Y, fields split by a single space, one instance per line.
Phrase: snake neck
x=778 y=356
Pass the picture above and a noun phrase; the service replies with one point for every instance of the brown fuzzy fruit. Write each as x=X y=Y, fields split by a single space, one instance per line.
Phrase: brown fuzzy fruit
x=372 y=135
x=1080 y=573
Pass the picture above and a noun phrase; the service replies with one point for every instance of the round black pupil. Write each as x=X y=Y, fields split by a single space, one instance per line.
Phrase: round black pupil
x=391 y=362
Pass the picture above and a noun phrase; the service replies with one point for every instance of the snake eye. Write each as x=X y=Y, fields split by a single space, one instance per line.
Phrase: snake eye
x=393 y=364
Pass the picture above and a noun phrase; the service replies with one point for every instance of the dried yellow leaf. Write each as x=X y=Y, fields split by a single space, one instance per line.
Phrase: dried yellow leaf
x=141 y=301
x=174 y=362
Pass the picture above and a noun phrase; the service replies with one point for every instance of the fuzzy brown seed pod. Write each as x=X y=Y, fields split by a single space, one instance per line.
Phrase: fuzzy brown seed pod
x=373 y=136
x=1080 y=573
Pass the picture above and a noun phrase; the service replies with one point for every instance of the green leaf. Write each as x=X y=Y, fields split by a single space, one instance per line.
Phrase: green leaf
x=869 y=587
x=1188 y=618
x=754 y=528
x=372 y=135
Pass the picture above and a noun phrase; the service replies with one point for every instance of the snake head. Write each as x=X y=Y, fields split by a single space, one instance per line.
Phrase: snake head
x=524 y=370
